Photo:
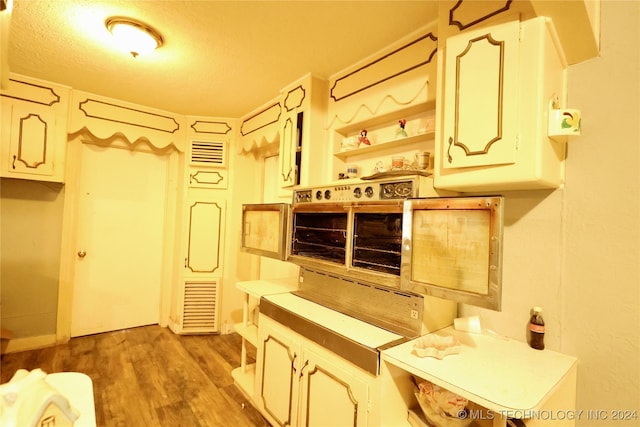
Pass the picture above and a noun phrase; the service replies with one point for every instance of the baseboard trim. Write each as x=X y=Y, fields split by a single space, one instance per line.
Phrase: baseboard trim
x=29 y=343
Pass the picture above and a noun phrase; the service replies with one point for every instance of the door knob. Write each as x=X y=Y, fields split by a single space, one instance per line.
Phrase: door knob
x=82 y=254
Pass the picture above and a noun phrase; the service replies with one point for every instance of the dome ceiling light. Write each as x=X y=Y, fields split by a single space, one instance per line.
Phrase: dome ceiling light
x=133 y=36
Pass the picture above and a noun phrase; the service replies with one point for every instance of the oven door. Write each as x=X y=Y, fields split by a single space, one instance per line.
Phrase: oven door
x=452 y=249
x=264 y=229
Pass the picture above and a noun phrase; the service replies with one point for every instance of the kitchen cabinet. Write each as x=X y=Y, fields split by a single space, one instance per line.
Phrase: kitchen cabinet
x=500 y=377
x=500 y=83
x=302 y=131
x=577 y=22
x=34 y=130
x=300 y=383
x=202 y=256
x=201 y=198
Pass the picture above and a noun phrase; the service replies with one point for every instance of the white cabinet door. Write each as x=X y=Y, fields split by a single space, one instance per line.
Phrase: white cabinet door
x=480 y=106
x=28 y=141
x=500 y=84
x=289 y=148
x=299 y=383
x=278 y=373
x=204 y=233
x=330 y=395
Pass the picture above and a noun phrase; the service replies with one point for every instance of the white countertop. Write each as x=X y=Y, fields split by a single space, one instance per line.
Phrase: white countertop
x=259 y=288
x=347 y=326
x=499 y=373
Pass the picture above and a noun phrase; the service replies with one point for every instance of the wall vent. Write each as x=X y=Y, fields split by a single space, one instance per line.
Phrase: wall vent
x=200 y=309
x=212 y=153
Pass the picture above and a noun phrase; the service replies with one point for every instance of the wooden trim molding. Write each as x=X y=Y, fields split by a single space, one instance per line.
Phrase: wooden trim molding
x=402 y=60
x=209 y=178
x=460 y=6
x=266 y=117
x=217 y=128
x=295 y=98
x=29 y=92
x=107 y=111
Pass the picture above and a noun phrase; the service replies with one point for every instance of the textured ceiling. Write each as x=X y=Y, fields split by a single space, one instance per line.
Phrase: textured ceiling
x=220 y=58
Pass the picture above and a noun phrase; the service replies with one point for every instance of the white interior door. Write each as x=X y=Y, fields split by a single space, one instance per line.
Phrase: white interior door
x=121 y=212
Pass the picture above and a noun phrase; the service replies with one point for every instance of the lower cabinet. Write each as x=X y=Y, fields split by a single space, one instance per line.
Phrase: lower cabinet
x=298 y=383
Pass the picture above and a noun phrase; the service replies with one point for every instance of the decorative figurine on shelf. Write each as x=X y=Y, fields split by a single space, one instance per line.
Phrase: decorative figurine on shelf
x=401 y=133
x=363 y=140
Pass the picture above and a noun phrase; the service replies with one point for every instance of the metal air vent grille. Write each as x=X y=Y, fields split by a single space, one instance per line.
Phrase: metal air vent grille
x=200 y=310
x=212 y=153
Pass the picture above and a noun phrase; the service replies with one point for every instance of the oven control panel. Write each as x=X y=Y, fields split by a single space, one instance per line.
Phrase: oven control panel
x=358 y=192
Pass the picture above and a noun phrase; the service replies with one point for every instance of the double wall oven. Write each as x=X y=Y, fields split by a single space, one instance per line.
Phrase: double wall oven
x=394 y=252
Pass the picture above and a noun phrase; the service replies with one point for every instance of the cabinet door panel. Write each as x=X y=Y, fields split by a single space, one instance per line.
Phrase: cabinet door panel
x=331 y=396
x=481 y=93
x=288 y=145
x=32 y=140
x=278 y=377
x=205 y=227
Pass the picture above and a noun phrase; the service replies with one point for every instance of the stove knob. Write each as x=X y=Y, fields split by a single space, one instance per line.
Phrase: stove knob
x=368 y=192
x=327 y=194
x=357 y=193
x=318 y=195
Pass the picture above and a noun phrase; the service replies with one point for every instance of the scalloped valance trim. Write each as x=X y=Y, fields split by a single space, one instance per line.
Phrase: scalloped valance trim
x=86 y=132
x=258 y=145
x=374 y=111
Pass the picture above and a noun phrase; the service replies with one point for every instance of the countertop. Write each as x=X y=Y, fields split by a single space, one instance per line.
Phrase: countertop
x=499 y=373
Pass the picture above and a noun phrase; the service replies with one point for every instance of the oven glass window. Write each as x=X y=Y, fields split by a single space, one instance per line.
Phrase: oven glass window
x=377 y=242
x=451 y=249
x=320 y=235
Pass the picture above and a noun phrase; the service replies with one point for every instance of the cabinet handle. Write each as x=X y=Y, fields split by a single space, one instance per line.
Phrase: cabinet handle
x=449 y=150
x=13 y=164
x=302 y=369
x=293 y=363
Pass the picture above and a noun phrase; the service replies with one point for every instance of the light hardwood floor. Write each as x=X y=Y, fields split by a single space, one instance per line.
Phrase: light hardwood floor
x=149 y=376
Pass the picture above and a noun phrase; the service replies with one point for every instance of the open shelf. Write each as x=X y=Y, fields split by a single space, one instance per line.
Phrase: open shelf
x=248 y=332
x=385 y=145
x=244 y=378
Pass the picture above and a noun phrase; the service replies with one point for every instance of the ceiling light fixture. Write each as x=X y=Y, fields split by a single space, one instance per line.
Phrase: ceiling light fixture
x=134 y=36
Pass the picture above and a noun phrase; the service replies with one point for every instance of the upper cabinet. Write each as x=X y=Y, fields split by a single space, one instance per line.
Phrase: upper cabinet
x=34 y=129
x=577 y=22
x=499 y=85
x=302 y=132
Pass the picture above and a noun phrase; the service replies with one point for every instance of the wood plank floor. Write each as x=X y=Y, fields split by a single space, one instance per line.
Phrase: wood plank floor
x=149 y=376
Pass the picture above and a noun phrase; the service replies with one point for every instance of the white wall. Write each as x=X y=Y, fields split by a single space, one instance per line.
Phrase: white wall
x=602 y=209
x=576 y=251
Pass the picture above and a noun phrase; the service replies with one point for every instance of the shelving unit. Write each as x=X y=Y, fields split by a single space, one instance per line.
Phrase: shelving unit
x=381 y=131
x=244 y=376
x=395 y=143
